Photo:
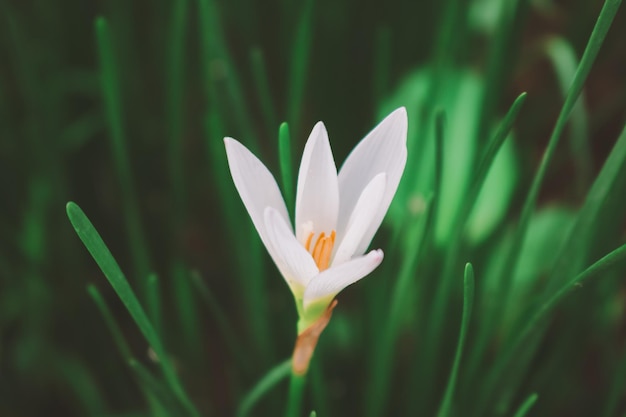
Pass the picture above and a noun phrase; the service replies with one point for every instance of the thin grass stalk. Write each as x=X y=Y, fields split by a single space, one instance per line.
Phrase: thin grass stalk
x=564 y=61
x=110 y=322
x=125 y=351
x=501 y=53
x=526 y=405
x=122 y=345
x=263 y=387
x=617 y=389
x=154 y=304
x=219 y=68
x=445 y=409
x=187 y=309
x=111 y=94
x=286 y=167
x=74 y=374
x=159 y=396
x=382 y=63
x=225 y=328
x=175 y=111
x=264 y=92
x=299 y=64
x=450 y=30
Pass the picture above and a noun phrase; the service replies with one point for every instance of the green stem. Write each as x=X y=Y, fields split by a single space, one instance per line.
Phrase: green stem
x=296 y=391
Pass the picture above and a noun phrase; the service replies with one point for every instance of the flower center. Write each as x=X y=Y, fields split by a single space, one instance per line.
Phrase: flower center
x=322 y=249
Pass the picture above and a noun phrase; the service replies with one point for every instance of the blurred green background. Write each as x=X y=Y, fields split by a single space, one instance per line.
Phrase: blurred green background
x=121 y=107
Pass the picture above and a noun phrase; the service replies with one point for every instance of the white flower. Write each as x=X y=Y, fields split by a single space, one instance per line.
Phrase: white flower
x=336 y=216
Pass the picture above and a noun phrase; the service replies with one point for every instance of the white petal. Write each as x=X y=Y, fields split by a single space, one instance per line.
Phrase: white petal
x=360 y=219
x=293 y=261
x=331 y=281
x=382 y=150
x=317 y=198
x=256 y=185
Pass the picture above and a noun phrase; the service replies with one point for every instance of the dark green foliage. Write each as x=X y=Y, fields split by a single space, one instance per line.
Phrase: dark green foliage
x=516 y=171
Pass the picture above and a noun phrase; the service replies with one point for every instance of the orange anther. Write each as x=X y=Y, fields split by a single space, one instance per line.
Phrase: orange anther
x=322 y=250
x=307 y=244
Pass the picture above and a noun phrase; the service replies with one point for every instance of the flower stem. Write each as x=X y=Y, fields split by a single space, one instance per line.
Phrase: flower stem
x=296 y=391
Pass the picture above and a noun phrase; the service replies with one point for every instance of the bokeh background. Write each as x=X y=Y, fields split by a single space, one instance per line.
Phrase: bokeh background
x=121 y=107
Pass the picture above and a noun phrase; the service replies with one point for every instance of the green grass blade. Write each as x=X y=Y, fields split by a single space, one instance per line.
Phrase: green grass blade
x=71 y=372
x=215 y=53
x=156 y=390
x=155 y=397
x=382 y=63
x=526 y=405
x=505 y=44
x=491 y=150
x=564 y=61
x=531 y=323
x=216 y=311
x=617 y=389
x=300 y=55
x=419 y=232
x=595 y=41
x=445 y=409
x=286 y=166
x=269 y=381
x=264 y=92
x=598 y=268
x=109 y=320
x=478 y=180
x=575 y=245
x=175 y=111
x=101 y=254
x=187 y=310
x=111 y=94
x=153 y=301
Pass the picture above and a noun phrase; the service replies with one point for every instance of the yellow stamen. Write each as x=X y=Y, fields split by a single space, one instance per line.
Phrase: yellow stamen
x=317 y=249
x=322 y=250
x=307 y=245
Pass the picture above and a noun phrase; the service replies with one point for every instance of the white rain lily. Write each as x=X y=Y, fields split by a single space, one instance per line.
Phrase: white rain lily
x=336 y=215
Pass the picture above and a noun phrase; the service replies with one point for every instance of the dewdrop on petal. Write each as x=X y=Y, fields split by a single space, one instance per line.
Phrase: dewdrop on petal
x=336 y=216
